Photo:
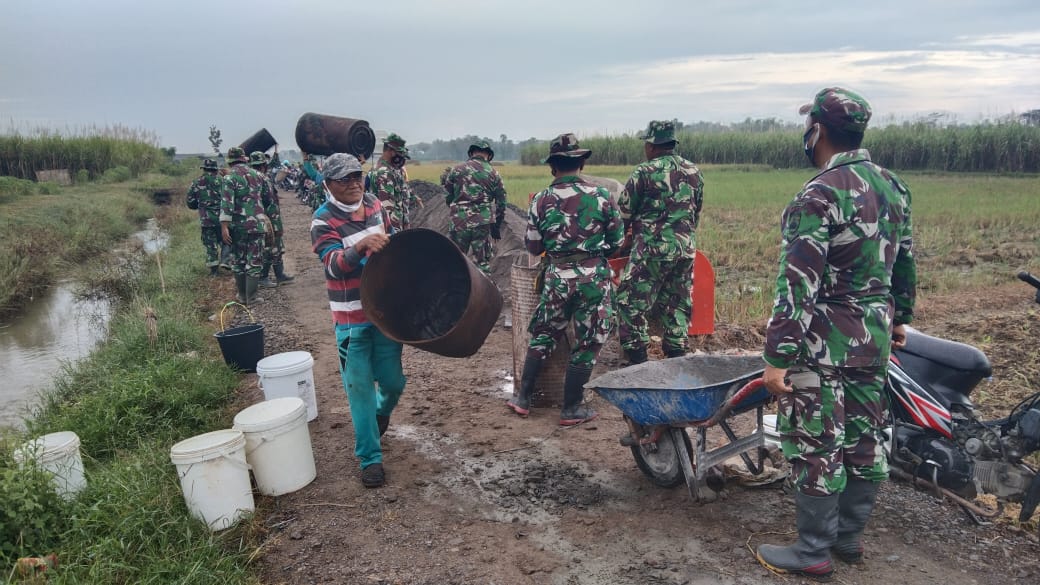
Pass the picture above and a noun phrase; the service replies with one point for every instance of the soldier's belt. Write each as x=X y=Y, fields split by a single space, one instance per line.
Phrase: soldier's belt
x=571 y=258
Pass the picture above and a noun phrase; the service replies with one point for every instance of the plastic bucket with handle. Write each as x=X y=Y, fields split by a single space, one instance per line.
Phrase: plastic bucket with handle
x=57 y=453
x=278 y=445
x=215 y=477
x=289 y=374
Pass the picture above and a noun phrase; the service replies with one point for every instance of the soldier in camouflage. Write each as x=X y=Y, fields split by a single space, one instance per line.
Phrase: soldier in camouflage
x=661 y=207
x=274 y=246
x=243 y=223
x=845 y=290
x=388 y=182
x=204 y=195
x=577 y=225
x=471 y=189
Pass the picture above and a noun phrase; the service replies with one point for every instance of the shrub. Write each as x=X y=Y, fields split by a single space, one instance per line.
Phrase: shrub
x=82 y=177
x=48 y=188
x=31 y=513
x=116 y=175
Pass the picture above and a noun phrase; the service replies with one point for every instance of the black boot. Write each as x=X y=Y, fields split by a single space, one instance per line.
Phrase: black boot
x=280 y=276
x=817 y=532
x=240 y=287
x=574 y=412
x=673 y=352
x=636 y=355
x=854 y=507
x=521 y=403
x=252 y=283
x=265 y=278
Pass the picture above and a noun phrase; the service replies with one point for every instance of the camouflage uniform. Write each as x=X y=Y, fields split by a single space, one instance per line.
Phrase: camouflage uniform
x=847 y=274
x=471 y=189
x=243 y=206
x=204 y=195
x=274 y=250
x=661 y=205
x=389 y=183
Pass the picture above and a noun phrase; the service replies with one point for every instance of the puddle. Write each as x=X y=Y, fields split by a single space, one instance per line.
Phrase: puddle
x=152 y=238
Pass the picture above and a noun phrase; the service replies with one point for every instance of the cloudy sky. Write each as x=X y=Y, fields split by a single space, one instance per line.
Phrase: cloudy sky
x=441 y=69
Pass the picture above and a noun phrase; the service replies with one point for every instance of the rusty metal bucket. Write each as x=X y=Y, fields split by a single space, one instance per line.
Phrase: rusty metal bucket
x=261 y=140
x=548 y=390
x=323 y=134
x=422 y=291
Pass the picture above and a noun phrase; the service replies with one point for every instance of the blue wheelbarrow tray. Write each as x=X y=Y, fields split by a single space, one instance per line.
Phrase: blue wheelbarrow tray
x=680 y=390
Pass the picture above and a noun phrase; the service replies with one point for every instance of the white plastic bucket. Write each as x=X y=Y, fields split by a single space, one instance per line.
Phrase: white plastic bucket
x=278 y=445
x=289 y=374
x=215 y=477
x=769 y=427
x=58 y=453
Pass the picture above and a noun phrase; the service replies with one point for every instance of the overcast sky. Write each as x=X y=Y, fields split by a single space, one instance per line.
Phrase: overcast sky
x=442 y=69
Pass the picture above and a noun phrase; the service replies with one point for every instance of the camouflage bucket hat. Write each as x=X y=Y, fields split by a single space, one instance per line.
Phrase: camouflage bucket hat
x=395 y=142
x=659 y=132
x=340 y=165
x=209 y=165
x=236 y=154
x=839 y=108
x=481 y=145
x=257 y=158
x=566 y=145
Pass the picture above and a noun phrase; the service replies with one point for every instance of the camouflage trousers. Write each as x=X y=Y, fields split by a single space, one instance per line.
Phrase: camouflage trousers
x=566 y=296
x=398 y=215
x=830 y=427
x=247 y=253
x=273 y=254
x=478 y=241
x=213 y=243
x=660 y=288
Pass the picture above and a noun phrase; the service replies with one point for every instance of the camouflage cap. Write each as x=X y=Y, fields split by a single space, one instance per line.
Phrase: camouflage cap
x=340 y=165
x=839 y=108
x=659 y=132
x=566 y=145
x=209 y=164
x=257 y=158
x=481 y=145
x=236 y=154
x=395 y=142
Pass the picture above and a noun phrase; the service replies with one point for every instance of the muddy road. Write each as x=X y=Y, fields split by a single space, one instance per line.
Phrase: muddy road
x=476 y=494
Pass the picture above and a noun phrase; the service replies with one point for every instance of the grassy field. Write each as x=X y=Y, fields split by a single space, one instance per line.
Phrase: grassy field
x=971 y=230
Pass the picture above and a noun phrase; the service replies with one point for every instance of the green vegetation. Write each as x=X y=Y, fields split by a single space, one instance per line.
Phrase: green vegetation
x=1005 y=147
x=129 y=402
x=95 y=150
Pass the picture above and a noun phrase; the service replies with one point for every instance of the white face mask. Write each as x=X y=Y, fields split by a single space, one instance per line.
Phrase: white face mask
x=351 y=208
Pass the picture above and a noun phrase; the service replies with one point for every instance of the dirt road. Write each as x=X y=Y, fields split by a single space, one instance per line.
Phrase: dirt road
x=476 y=494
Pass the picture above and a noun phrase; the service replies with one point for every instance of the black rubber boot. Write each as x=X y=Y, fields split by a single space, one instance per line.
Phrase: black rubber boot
x=252 y=283
x=854 y=507
x=521 y=403
x=817 y=532
x=636 y=355
x=574 y=412
x=265 y=278
x=240 y=287
x=280 y=276
x=673 y=352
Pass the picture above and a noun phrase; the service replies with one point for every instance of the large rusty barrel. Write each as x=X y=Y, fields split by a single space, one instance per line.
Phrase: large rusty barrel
x=325 y=135
x=261 y=140
x=422 y=291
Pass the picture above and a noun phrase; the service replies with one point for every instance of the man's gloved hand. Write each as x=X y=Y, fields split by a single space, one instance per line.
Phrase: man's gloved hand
x=496 y=231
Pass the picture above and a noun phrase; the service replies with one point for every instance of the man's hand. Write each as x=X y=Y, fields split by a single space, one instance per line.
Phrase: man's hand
x=899 y=337
x=775 y=380
x=225 y=233
x=372 y=243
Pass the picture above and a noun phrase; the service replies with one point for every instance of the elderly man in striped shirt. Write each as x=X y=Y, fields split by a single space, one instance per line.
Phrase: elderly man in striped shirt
x=348 y=228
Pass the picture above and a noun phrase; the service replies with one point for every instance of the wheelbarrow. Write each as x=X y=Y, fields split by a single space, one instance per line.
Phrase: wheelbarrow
x=659 y=399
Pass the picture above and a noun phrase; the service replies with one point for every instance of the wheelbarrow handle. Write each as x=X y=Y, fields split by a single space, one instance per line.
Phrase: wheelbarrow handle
x=738 y=397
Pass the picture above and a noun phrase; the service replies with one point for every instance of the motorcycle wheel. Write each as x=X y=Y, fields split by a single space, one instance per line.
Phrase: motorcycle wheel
x=660 y=462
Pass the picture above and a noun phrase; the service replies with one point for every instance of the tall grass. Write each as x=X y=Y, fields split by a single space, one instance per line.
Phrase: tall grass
x=1007 y=147
x=92 y=149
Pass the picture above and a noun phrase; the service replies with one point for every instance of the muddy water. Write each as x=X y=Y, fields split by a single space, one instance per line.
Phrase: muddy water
x=56 y=328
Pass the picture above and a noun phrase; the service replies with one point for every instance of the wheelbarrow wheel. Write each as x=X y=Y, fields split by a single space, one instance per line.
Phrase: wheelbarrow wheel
x=660 y=462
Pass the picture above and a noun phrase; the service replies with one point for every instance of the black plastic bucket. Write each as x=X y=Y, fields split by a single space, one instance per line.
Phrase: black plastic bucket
x=242 y=346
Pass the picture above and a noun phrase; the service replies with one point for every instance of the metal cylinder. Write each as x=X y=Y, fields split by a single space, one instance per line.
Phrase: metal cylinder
x=261 y=140
x=548 y=390
x=422 y=291
x=323 y=134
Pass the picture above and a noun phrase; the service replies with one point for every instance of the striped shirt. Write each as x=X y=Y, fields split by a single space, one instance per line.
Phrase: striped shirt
x=335 y=231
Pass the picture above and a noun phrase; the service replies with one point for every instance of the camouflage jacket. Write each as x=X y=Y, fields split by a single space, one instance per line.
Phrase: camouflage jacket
x=272 y=207
x=471 y=189
x=573 y=216
x=661 y=204
x=243 y=201
x=847 y=268
x=204 y=195
x=390 y=186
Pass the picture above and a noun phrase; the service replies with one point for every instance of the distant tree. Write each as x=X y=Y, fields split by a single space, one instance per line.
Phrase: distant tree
x=170 y=151
x=1030 y=118
x=214 y=139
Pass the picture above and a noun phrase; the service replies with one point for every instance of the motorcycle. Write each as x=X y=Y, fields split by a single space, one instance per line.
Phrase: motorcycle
x=938 y=440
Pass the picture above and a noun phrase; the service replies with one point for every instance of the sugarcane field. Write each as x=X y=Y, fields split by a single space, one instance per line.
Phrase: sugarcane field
x=756 y=301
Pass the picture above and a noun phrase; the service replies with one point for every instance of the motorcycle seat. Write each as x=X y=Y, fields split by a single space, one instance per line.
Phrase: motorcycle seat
x=952 y=354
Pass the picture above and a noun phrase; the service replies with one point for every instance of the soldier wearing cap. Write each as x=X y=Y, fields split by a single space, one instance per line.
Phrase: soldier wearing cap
x=348 y=228
x=204 y=195
x=471 y=188
x=243 y=223
x=845 y=290
x=274 y=247
x=577 y=225
x=661 y=207
x=387 y=180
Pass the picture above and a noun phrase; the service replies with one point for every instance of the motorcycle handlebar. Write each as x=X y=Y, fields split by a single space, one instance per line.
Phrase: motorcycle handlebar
x=1029 y=278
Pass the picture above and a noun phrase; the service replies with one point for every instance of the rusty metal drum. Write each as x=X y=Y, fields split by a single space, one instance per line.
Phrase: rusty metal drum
x=323 y=134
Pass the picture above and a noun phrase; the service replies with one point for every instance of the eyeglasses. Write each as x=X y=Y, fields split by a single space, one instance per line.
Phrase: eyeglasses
x=347 y=180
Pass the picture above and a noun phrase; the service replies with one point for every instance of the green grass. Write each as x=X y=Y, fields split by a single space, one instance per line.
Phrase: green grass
x=94 y=150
